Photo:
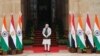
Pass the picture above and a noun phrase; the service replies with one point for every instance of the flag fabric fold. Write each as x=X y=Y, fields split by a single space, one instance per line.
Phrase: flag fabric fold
x=19 y=43
x=12 y=38
x=72 y=32
x=88 y=34
x=69 y=34
x=97 y=33
x=4 y=36
x=80 y=34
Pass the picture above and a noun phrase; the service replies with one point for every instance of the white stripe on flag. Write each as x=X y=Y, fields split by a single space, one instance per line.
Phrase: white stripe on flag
x=82 y=35
x=13 y=34
x=89 y=34
x=19 y=36
x=95 y=29
x=5 y=37
x=73 y=34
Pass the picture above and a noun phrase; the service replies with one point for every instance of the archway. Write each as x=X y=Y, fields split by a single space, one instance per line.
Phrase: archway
x=38 y=12
x=44 y=13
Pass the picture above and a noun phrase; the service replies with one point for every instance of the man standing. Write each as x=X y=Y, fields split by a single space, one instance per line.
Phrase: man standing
x=46 y=40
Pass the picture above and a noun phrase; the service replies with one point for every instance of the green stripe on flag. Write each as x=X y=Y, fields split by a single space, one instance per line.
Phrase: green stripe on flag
x=18 y=43
x=97 y=44
x=4 y=46
x=0 y=42
x=79 y=42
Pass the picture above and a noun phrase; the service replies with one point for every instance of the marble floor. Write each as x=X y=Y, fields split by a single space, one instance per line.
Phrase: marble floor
x=61 y=53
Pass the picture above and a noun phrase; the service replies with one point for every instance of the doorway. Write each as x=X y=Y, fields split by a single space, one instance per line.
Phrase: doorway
x=43 y=13
x=38 y=12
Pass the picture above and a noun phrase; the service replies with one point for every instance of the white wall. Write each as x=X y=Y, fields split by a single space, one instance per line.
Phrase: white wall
x=7 y=7
x=77 y=7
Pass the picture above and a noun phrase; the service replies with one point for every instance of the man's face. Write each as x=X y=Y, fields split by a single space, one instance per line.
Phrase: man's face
x=46 y=25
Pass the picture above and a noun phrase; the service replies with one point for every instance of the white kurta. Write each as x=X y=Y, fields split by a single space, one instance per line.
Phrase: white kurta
x=46 y=41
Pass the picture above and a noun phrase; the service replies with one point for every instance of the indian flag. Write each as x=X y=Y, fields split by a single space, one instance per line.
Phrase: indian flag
x=72 y=31
x=19 y=43
x=12 y=38
x=88 y=32
x=97 y=33
x=4 y=36
x=80 y=34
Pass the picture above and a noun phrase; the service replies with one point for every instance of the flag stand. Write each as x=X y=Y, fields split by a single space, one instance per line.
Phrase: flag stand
x=79 y=50
x=88 y=50
x=0 y=51
x=13 y=52
x=73 y=50
x=97 y=51
x=19 y=51
x=4 y=53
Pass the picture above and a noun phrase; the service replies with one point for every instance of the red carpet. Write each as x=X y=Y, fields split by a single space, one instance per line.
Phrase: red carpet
x=28 y=48
x=41 y=49
x=54 y=49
